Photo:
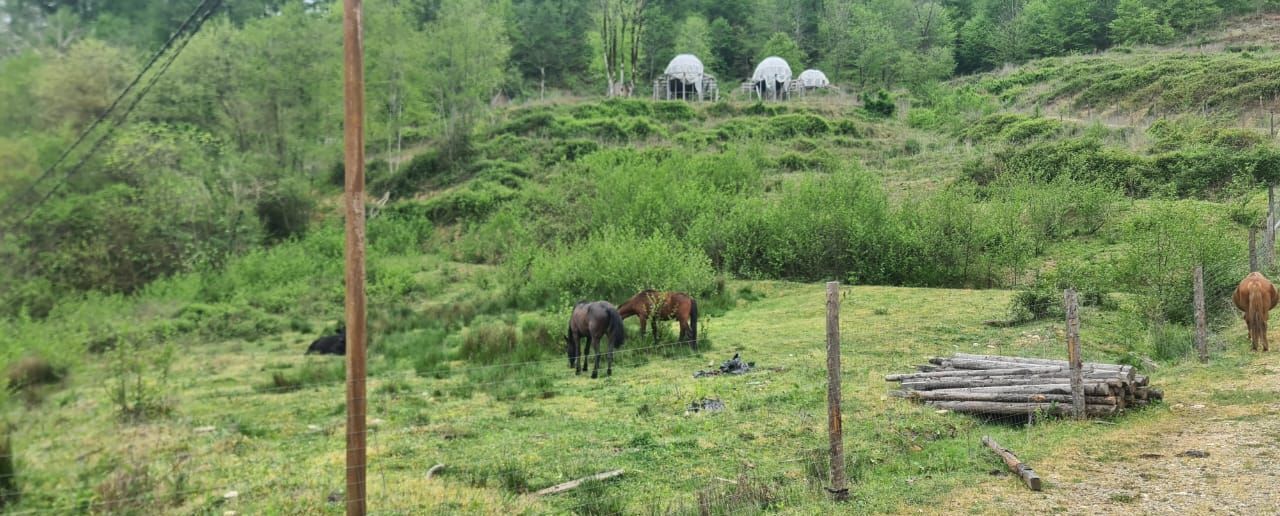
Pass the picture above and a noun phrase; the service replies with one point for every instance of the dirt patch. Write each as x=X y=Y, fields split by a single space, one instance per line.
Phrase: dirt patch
x=1201 y=458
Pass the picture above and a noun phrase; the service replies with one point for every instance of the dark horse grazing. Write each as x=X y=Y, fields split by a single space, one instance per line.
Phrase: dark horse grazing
x=593 y=321
x=330 y=344
x=652 y=305
x=1255 y=296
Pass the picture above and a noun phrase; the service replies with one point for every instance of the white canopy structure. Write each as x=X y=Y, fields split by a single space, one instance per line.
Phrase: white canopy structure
x=771 y=78
x=684 y=78
x=810 y=79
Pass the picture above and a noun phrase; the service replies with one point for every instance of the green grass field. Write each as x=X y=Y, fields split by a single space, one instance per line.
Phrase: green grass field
x=504 y=431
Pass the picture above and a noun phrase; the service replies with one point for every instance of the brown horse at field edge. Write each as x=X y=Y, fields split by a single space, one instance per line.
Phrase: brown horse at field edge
x=1255 y=296
x=652 y=305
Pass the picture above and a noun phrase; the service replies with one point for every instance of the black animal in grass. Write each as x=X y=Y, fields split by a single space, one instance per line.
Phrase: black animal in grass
x=335 y=344
x=593 y=321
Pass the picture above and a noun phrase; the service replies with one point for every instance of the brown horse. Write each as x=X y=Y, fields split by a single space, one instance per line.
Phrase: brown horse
x=652 y=305
x=1255 y=296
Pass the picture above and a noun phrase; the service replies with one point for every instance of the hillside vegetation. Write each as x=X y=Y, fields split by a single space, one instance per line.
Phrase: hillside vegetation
x=156 y=314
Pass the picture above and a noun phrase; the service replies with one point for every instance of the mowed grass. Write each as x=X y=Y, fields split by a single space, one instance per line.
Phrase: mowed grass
x=504 y=431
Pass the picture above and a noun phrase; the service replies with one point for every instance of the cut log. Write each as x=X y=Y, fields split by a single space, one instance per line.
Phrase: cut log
x=953 y=382
x=560 y=488
x=1092 y=389
x=1014 y=409
x=1028 y=475
x=1008 y=397
x=1122 y=372
x=1039 y=361
x=981 y=372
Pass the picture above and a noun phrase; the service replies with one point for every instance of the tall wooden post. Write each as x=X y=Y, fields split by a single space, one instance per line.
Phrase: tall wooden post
x=835 y=428
x=1253 y=249
x=1269 y=253
x=1202 y=330
x=1073 y=352
x=353 y=140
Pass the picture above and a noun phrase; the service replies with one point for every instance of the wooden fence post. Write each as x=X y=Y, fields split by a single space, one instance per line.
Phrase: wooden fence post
x=353 y=152
x=1202 y=332
x=1073 y=352
x=1253 y=249
x=1269 y=254
x=835 y=429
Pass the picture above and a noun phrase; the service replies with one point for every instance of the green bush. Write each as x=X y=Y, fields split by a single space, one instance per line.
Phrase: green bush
x=671 y=111
x=1166 y=243
x=793 y=125
x=879 y=103
x=612 y=264
x=815 y=228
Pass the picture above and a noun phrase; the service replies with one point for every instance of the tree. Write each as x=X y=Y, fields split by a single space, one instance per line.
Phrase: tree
x=466 y=61
x=621 y=28
x=730 y=57
x=549 y=42
x=694 y=37
x=977 y=49
x=78 y=86
x=1137 y=23
x=1189 y=15
x=783 y=46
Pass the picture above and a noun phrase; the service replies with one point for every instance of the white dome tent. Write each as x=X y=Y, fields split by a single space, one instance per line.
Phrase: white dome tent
x=685 y=78
x=812 y=79
x=772 y=78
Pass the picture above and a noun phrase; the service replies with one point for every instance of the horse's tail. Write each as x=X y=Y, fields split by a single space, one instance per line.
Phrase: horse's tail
x=693 y=320
x=1257 y=314
x=617 y=333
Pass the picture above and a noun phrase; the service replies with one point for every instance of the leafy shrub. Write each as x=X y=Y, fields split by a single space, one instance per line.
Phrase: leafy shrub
x=816 y=227
x=848 y=127
x=1166 y=243
x=492 y=340
x=793 y=125
x=613 y=264
x=229 y=321
x=571 y=150
x=762 y=109
x=473 y=201
x=530 y=123
x=879 y=103
x=924 y=118
x=671 y=111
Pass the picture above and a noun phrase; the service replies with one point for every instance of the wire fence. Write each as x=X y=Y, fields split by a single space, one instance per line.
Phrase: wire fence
x=716 y=444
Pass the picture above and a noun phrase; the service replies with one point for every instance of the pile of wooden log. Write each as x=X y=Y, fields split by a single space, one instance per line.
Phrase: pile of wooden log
x=1000 y=385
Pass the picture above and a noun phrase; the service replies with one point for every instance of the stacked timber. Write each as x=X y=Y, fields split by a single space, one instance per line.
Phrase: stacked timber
x=1000 y=385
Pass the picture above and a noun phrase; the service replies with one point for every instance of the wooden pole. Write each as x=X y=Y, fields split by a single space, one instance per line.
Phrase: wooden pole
x=1253 y=249
x=835 y=427
x=1073 y=353
x=560 y=488
x=1202 y=331
x=1269 y=254
x=1024 y=471
x=353 y=140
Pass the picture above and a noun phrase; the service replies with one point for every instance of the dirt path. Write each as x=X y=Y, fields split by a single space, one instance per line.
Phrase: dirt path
x=1156 y=466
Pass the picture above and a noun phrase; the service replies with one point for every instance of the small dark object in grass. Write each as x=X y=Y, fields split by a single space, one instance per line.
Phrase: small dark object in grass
x=705 y=405
x=1151 y=456
x=734 y=365
x=330 y=344
x=1194 y=454
x=335 y=497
